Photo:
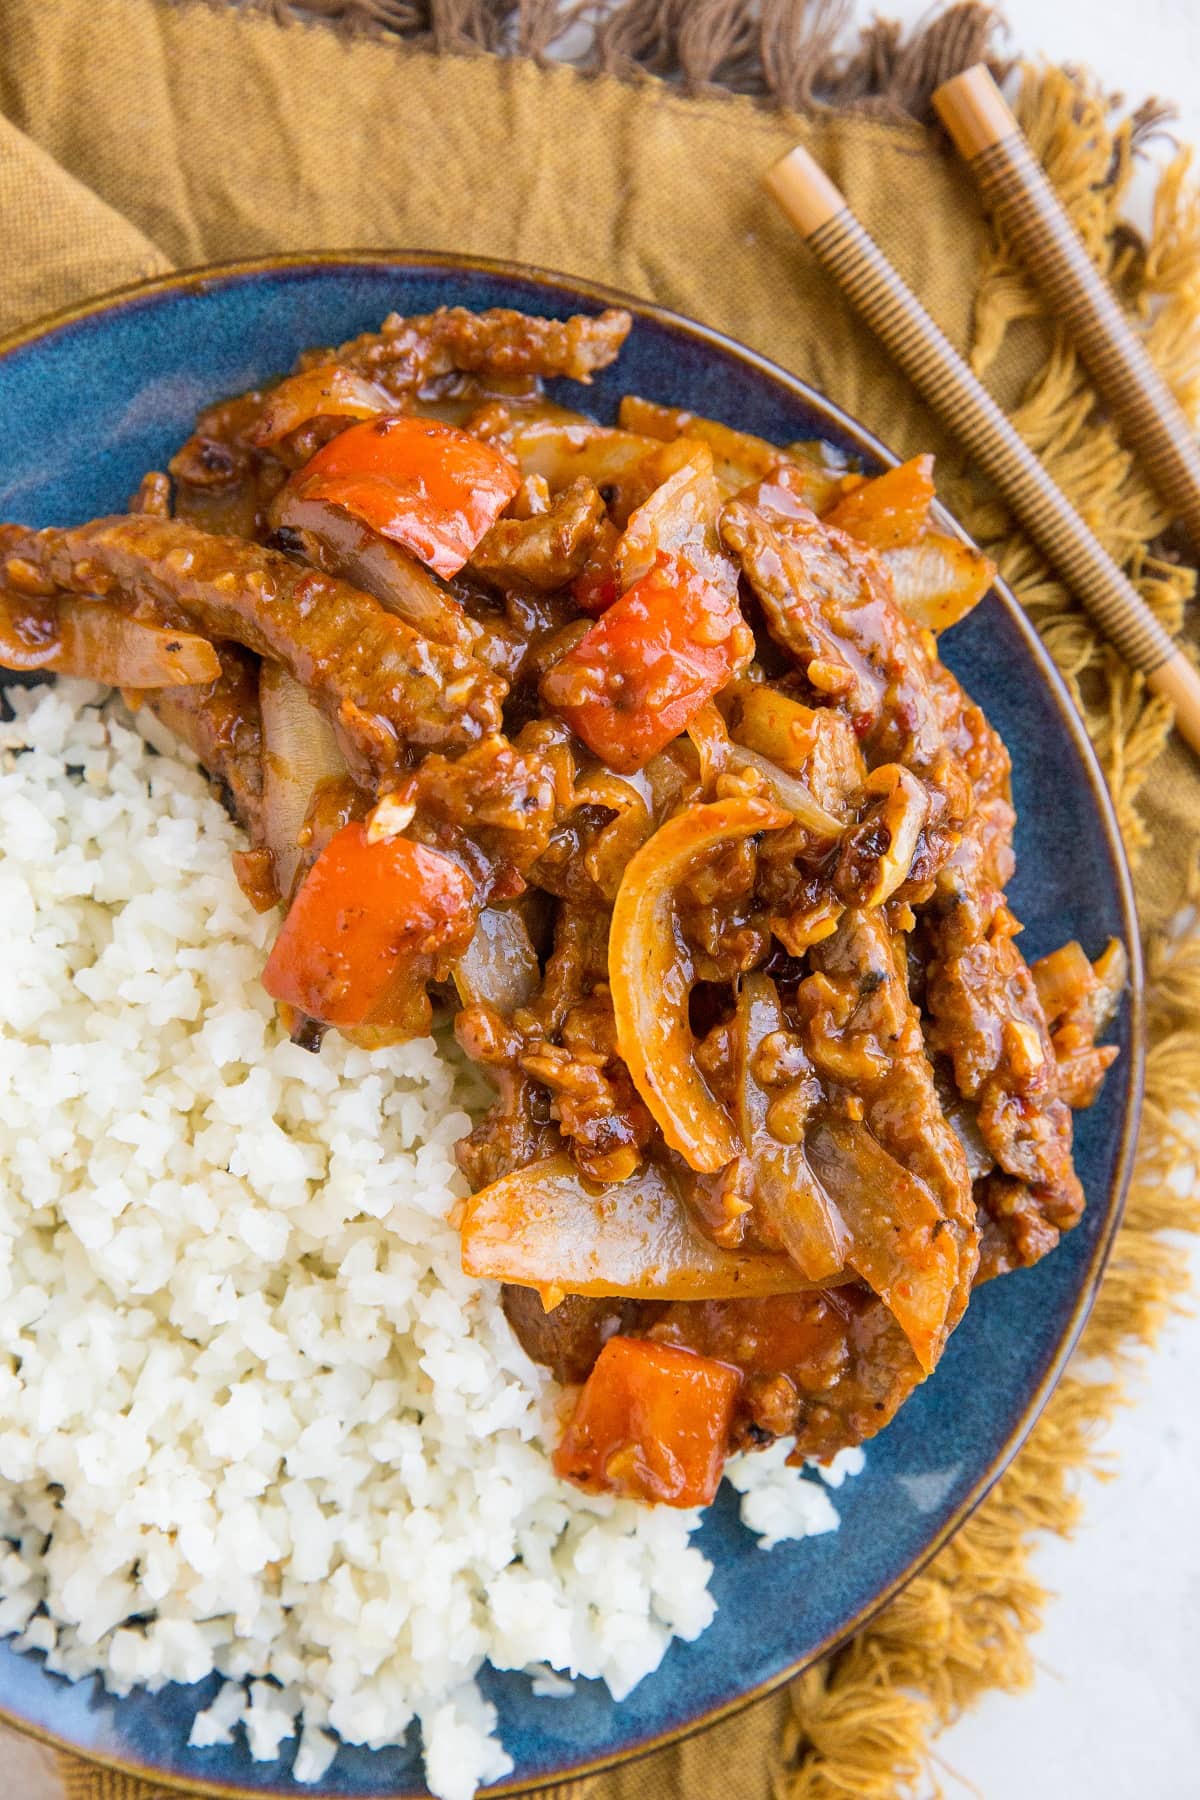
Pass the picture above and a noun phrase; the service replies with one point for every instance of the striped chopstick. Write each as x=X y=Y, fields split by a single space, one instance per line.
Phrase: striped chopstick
x=1015 y=188
x=840 y=243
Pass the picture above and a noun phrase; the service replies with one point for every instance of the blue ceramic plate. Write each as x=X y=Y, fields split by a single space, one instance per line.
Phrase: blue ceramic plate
x=91 y=400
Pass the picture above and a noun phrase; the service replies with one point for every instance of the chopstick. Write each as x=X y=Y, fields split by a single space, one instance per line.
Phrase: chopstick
x=1016 y=189
x=840 y=243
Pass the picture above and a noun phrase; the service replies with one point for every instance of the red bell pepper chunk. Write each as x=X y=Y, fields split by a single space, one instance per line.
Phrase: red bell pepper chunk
x=368 y=928
x=426 y=485
x=652 y=1423
x=649 y=664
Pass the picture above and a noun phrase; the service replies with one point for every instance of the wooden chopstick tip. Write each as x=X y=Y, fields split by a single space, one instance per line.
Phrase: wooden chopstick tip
x=800 y=186
x=1178 y=681
x=974 y=111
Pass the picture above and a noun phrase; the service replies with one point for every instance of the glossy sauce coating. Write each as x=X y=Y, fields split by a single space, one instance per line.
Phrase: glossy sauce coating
x=629 y=747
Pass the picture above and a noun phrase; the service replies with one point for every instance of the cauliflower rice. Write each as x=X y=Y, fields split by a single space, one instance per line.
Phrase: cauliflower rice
x=253 y=1417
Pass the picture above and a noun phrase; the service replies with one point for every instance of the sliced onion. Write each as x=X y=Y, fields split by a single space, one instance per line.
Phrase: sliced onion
x=899 y=812
x=1111 y=970
x=785 y=1190
x=544 y=1226
x=92 y=639
x=650 y=975
x=939 y=579
x=600 y=786
x=299 y=751
x=499 y=967
x=899 y=1242
x=1063 y=979
x=630 y=797
x=778 y=727
x=548 y=547
x=326 y=391
x=562 y=446
x=1067 y=983
x=739 y=459
x=677 y=519
x=822 y=470
x=710 y=740
x=788 y=792
x=816 y=744
x=343 y=546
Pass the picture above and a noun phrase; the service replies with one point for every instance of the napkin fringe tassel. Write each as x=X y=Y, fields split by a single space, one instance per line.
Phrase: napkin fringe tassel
x=798 y=54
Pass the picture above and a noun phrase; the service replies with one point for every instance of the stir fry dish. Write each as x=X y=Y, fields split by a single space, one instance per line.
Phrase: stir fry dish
x=630 y=748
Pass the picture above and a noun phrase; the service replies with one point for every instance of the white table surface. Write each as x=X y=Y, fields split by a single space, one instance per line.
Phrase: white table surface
x=1114 y=1713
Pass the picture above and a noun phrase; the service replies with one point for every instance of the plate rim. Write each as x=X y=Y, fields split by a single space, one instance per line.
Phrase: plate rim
x=200 y=278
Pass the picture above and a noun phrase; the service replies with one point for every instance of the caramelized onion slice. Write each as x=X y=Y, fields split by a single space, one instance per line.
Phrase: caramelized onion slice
x=631 y=799
x=817 y=745
x=710 y=740
x=329 y=390
x=792 y=1202
x=678 y=518
x=939 y=579
x=778 y=727
x=878 y=852
x=499 y=967
x=561 y=446
x=788 y=791
x=1111 y=970
x=650 y=976
x=1067 y=982
x=738 y=458
x=600 y=786
x=899 y=1240
x=97 y=641
x=1063 y=979
x=544 y=1226
x=299 y=752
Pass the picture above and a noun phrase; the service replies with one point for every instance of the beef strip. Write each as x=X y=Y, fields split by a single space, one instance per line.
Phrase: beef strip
x=986 y=1020
x=877 y=1139
x=563 y=1048
x=570 y=1337
x=409 y=353
x=598 y=1110
x=383 y=685
x=546 y=551
x=222 y=726
x=503 y=795
x=515 y=1131
x=827 y=601
x=223 y=484
x=1015 y=1229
